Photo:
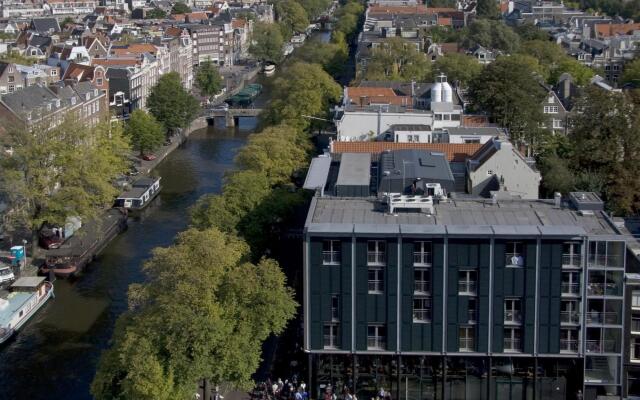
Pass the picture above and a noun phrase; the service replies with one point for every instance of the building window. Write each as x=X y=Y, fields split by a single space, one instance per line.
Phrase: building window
x=551 y=109
x=467 y=282
x=376 y=337
x=570 y=284
x=331 y=252
x=635 y=324
x=635 y=350
x=99 y=81
x=376 y=252
x=422 y=253
x=330 y=336
x=376 y=280
x=11 y=79
x=466 y=338
x=12 y=88
x=335 y=308
x=472 y=311
x=422 y=280
x=512 y=339
x=569 y=340
x=550 y=100
x=421 y=309
x=512 y=311
x=571 y=255
x=635 y=298
x=569 y=312
x=557 y=123
x=54 y=72
x=514 y=254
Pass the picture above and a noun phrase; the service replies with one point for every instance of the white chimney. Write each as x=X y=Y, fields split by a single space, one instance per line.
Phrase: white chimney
x=557 y=199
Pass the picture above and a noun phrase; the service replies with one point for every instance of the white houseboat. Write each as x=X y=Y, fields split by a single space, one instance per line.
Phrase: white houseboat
x=269 y=69
x=24 y=299
x=140 y=193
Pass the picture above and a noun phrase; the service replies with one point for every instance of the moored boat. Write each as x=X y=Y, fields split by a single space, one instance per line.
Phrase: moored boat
x=25 y=297
x=63 y=266
x=140 y=194
x=269 y=69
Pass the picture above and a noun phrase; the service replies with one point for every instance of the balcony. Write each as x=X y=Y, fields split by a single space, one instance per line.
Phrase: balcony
x=569 y=317
x=376 y=258
x=601 y=346
x=376 y=343
x=512 y=345
x=513 y=317
x=422 y=315
x=466 y=344
x=603 y=289
x=422 y=287
x=570 y=289
x=422 y=259
x=330 y=342
x=330 y=257
x=467 y=287
x=599 y=317
x=571 y=260
x=514 y=260
x=602 y=261
x=569 y=345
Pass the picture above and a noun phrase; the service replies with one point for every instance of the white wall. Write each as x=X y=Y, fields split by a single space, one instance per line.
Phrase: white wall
x=356 y=126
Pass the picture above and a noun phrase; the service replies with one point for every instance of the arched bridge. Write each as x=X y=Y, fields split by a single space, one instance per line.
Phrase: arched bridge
x=231 y=115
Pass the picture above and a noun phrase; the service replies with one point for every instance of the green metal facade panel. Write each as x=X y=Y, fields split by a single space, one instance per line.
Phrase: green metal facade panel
x=499 y=250
x=361 y=294
x=437 y=319
x=549 y=300
x=484 y=270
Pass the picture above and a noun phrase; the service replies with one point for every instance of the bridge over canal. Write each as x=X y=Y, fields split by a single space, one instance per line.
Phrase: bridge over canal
x=231 y=115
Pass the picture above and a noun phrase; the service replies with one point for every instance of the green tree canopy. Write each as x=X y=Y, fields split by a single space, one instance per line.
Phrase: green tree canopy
x=292 y=17
x=171 y=104
x=155 y=13
x=487 y=9
x=554 y=61
x=493 y=35
x=203 y=312
x=631 y=73
x=62 y=171
x=457 y=67
x=180 y=8
x=510 y=91
x=146 y=134
x=303 y=90
x=529 y=31
x=396 y=59
x=315 y=8
x=266 y=42
x=348 y=17
x=208 y=79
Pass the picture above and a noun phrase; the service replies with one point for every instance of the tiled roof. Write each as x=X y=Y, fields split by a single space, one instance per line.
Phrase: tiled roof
x=608 y=30
x=475 y=121
x=238 y=23
x=123 y=62
x=455 y=151
x=173 y=31
x=450 y=48
x=376 y=95
x=134 y=48
x=445 y=21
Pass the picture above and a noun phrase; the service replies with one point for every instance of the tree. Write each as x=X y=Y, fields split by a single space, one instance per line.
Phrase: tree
x=348 y=17
x=155 y=13
x=554 y=61
x=64 y=171
x=457 y=67
x=145 y=132
x=303 y=90
x=266 y=42
x=180 y=8
x=315 y=8
x=227 y=307
x=487 y=9
x=397 y=60
x=208 y=79
x=508 y=89
x=631 y=74
x=173 y=106
x=493 y=35
x=292 y=18
x=529 y=31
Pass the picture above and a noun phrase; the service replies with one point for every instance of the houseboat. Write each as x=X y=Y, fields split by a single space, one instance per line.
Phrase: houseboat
x=298 y=40
x=61 y=266
x=140 y=194
x=269 y=69
x=24 y=299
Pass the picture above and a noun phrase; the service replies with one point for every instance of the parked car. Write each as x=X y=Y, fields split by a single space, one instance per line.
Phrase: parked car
x=149 y=157
x=6 y=274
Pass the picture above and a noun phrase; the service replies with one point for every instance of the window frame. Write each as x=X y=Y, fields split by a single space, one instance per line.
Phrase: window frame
x=468 y=337
x=379 y=253
x=379 y=337
x=331 y=252
x=424 y=310
x=376 y=285
x=468 y=282
x=334 y=335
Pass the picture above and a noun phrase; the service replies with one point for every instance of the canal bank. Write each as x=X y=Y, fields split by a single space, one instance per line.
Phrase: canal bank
x=54 y=356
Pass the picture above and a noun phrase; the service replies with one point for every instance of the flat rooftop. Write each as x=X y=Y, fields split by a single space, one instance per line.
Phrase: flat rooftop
x=462 y=216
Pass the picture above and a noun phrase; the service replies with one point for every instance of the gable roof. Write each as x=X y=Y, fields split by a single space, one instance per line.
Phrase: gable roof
x=45 y=25
x=456 y=152
x=31 y=99
x=608 y=30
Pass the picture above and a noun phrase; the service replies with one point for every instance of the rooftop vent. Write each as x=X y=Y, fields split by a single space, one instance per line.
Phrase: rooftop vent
x=586 y=201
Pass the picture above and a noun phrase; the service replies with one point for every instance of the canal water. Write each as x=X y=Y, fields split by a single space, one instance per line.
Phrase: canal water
x=54 y=356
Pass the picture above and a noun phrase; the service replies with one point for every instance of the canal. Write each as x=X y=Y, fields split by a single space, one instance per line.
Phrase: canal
x=54 y=356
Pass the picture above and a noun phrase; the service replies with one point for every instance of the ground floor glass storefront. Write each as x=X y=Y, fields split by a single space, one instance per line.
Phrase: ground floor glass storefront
x=451 y=377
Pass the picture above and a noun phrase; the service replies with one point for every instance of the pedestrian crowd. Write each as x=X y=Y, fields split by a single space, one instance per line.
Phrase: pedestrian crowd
x=281 y=390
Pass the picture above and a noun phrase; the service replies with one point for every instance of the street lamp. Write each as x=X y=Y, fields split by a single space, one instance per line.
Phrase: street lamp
x=24 y=250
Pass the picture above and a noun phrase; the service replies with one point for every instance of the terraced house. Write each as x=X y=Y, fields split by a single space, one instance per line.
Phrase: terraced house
x=430 y=294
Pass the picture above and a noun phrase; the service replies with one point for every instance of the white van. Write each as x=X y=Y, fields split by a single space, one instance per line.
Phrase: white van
x=6 y=274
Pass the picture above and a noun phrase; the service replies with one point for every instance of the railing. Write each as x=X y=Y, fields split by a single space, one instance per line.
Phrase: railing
x=467 y=287
x=331 y=341
x=514 y=259
x=601 y=346
x=421 y=258
x=512 y=317
x=571 y=260
x=422 y=315
x=422 y=286
x=601 y=289
x=596 y=260
x=572 y=289
x=635 y=325
x=512 y=344
x=375 y=258
x=569 y=345
x=376 y=343
x=466 y=344
x=375 y=286
x=570 y=317
x=331 y=257
x=597 y=375
x=600 y=317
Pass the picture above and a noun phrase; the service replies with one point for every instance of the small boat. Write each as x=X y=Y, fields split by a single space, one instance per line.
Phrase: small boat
x=62 y=266
x=298 y=40
x=24 y=299
x=140 y=194
x=269 y=69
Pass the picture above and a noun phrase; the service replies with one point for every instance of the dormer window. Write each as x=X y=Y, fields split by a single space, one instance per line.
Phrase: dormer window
x=88 y=96
x=73 y=101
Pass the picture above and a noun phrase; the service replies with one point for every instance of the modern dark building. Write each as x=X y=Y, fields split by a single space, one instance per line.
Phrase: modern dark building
x=463 y=297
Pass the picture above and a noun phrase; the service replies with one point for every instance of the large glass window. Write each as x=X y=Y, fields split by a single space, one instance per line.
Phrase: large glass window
x=330 y=336
x=571 y=254
x=335 y=307
x=376 y=337
x=512 y=339
x=422 y=253
x=570 y=284
x=514 y=254
x=570 y=312
x=376 y=252
x=421 y=309
x=635 y=349
x=331 y=252
x=376 y=280
x=422 y=280
x=569 y=340
x=467 y=282
x=466 y=338
x=512 y=311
